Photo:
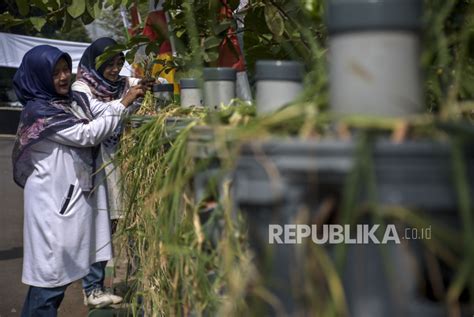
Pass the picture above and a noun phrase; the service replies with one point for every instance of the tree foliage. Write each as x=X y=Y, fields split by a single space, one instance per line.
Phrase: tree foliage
x=30 y=19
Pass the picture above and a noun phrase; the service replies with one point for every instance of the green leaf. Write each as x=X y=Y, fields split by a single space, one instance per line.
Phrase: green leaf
x=40 y=4
x=23 y=7
x=152 y=47
x=138 y=39
x=211 y=42
x=52 y=4
x=6 y=17
x=267 y=37
x=115 y=3
x=180 y=32
x=109 y=52
x=15 y=22
x=66 y=23
x=90 y=9
x=274 y=20
x=211 y=56
x=275 y=50
x=93 y=8
x=87 y=18
x=221 y=27
x=38 y=23
x=130 y=55
x=97 y=9
x=101 y=59
x=77 y=8
x=7 y=20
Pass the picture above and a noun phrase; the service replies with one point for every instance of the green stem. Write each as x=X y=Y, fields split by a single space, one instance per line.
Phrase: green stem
x=463 y=275
x=351 y=196
x=191 y=28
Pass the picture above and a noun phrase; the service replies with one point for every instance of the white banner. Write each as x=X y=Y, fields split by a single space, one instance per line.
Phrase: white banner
x=14 y=46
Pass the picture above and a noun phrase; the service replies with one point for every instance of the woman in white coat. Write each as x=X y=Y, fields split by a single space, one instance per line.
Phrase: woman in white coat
x=105 y=84
x=53 y=160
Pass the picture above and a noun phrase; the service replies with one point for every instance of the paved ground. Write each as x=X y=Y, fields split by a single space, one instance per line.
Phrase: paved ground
x=12 y=291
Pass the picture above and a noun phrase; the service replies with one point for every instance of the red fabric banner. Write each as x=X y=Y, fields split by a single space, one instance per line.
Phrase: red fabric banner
x=230 y=54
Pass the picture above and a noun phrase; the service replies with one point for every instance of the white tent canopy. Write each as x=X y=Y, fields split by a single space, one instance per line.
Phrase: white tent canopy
x=13 y=47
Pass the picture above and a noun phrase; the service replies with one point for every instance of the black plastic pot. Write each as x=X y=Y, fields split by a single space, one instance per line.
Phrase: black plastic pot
x=272 y=182
x=137 y=121
x=174 y=125
x=276 y=180
x=201 y=142
x=201 y=146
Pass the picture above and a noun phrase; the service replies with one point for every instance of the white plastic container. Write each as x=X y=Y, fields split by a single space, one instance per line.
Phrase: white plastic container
x=190 y=93
x=219 y=86
x=374 y=57
x=278 y=83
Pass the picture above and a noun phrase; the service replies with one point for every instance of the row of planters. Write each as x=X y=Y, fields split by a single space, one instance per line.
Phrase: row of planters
x=203 y=185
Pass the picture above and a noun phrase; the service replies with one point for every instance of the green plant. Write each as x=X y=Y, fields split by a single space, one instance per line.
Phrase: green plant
x=179 y=265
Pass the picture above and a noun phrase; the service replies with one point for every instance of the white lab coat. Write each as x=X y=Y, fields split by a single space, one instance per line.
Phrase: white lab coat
x=63 y=231
x=108 y=186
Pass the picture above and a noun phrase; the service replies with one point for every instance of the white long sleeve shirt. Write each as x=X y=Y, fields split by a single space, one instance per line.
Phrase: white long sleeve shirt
x=108 y=191
x=63 y=232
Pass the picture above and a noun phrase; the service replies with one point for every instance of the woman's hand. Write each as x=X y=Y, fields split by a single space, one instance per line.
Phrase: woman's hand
x=133 y=93
x=147 y=83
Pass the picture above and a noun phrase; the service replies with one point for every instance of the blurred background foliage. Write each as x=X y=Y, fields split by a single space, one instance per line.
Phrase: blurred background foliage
x=41 y=20
x=271 y=29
